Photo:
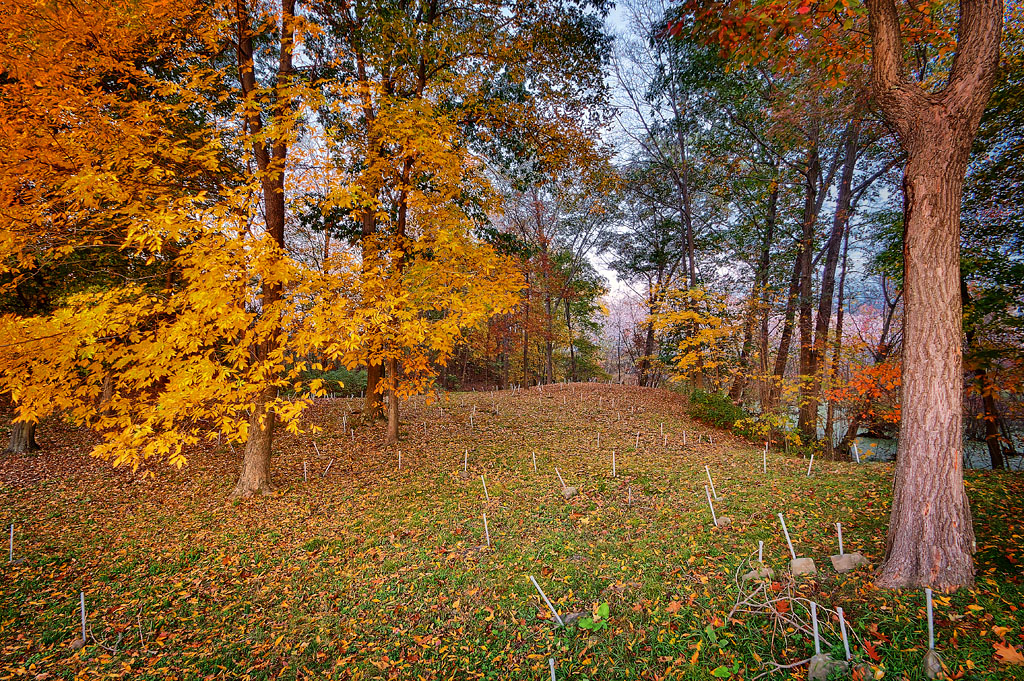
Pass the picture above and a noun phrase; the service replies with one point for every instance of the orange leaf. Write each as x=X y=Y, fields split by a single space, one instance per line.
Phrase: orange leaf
x=1007 y=654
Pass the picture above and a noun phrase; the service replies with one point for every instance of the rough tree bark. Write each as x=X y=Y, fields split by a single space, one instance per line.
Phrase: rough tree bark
x=23 y=438
x=931 y=538
x=807 y=419
x=270 y=159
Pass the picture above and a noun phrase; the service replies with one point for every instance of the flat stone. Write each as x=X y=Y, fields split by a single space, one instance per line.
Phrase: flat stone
x=848 y=562
x=78 y=644
x=568 y=492
x=723 y=521
x=822 y=666
x=802 y=566
x=464 y=475
x=761 y=573
x=862 y=671
x=572 y=617
x=932 y=664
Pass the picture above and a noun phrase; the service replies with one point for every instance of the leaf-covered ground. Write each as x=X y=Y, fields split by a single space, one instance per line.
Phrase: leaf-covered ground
x=376 y=572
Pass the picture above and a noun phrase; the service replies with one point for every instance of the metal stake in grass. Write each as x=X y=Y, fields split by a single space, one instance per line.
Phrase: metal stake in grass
x=629 y=497
x=760 y=552
x=614 y=475
x=814 y=626
x=315 y=448
x=764 y=459
x=324 y=474
x=399 y=459
x=637 y=445
x=856 y=453
x=599 y=439
x=708 y=471
x=550 y=607
x=931 y=625
x=535 y=461
x=10 y=558
x=305 y=476
x=560 y=478
x=809 y=464
x=839 y=531
x=842 y=631
x=551 y=663
x=82 y=608
x=789 y=541
x=486 y=495
x=465 y=460
x=711 y=505
x=487 y=532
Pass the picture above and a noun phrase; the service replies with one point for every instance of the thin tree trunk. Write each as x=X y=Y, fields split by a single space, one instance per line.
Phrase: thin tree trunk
x=838 y=345
x=756 y=299
x=572 y=345
x=823 y=321
x=931 y=537
x=392 y=436
x=807 y=420
x=23 y=437
x=782 y=358
x=549 y=348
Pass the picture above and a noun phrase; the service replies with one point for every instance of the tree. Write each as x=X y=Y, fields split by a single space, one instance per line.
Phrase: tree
x=931 y=538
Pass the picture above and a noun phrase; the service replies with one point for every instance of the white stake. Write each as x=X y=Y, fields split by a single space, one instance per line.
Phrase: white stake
x=465 y=460
x=764 y=459
x=551 y=663
x=842 y=631
x=809 y=464
x=629 y=497
x=486 y=495
x=814 y=625
x=662 y=427
x=614 y=475
x=487 y=532
x=317 y=449
x=560 y=478
x=83 y=617
x=637 y=446
x=305 y=476
x=684 y=437
x=535 y=461
x=708 y=471
x=324 y=474
x=788 y=540
x=760 y=552
x=11 y=557
x=839 y=531
x=545 y=597
x=712 y=506
x=399 y=459
x=599 y=439
x=856 y=453
x=931 y=626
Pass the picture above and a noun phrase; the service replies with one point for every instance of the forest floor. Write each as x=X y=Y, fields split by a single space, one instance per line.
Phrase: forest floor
x=376 y=572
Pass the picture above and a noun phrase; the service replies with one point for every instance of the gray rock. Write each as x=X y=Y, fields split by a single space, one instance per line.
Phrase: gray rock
x=848 y=562
x=464 y=475
x=568 y=492
x=760 y=573
x=78 y=644
x=572 y=617
x=932 y=664
x=822 y=665
x=723 y=521
x=802 y=566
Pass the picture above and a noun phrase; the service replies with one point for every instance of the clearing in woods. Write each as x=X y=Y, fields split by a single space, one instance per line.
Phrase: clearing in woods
x=378 y=573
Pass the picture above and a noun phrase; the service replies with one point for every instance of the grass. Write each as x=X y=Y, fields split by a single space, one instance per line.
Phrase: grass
x=379 y=573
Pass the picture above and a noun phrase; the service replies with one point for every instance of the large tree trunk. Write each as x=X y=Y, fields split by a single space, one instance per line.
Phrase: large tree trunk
x=838 y=343
x=373 y=403
x=23 y=437
x=254 y=478
x=255 y=475
x=931 y=537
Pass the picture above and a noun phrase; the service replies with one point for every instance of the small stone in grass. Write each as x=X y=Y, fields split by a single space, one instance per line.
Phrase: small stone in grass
x=848 y=562
x=464 y=475
x=568 y=492
x=932 y=664
x=802 y=566
x=572 y=617
x=760 y=573
x=822 y=666
x=78 y=644
x=723 y=521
